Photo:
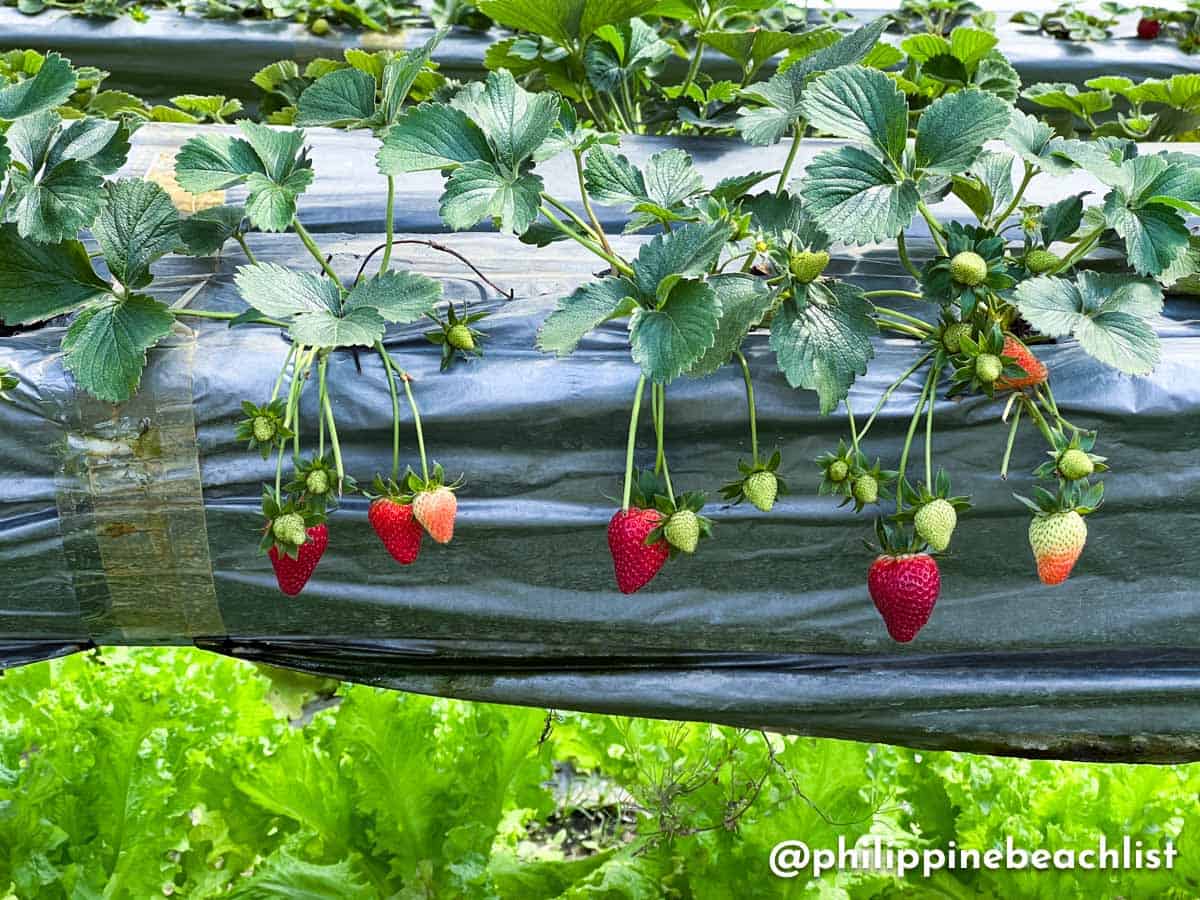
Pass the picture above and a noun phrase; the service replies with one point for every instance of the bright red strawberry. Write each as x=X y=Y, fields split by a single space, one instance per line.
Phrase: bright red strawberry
x=293 y=574
x=1148 y=29
x=904 y=587
x=1035 y=369
x=635 y=563
x=1057 y=540
x=435 y=509
x=397 y=527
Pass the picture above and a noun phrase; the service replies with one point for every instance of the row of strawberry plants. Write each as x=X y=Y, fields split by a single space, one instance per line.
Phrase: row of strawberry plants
x=725 y=262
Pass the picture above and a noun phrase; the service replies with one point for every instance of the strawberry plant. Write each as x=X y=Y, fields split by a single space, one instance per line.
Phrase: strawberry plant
x=1154 y=109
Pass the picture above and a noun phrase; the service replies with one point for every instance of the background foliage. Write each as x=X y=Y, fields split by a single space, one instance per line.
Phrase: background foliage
x=173 y=773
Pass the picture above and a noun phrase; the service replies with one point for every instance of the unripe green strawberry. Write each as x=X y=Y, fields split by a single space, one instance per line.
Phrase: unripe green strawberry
x=682 y=530
x=264 y=429
x=838 y=470
x=1041 y=261
x=935 y=523
x=317 y=482
x=968 y=268
x=460 y=338
x=866 y=489
x=1057 y=540
x=761 y=488
x=320 y=27
x=953 y=335
x=1075 y=464
x=289 y=529
x=807 y=265
x=988 y=367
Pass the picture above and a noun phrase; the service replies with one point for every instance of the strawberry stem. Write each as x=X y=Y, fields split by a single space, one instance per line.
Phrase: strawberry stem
x=935 y=227
x=1030 y=171
x=405 y=378
x=902 y=251
x=797 y=136
x=753 y=413
x=1042 y=425
x=1012 y=439
x=632 y=441
x=390 y=224
x=616 y=262
x=328 y=411
x=282 y=372
x=309 y=243
x=391 y=377
x=659 y=391
x=912 y=430
x=929 y=427
x=587 y=205
x=891 y=390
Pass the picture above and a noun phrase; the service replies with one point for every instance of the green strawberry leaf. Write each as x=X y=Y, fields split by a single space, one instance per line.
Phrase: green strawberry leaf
x=671 y=178
x=1034 y=141
x=341 y=99
x=822 y=339
x=686 y=252
x=954 y=128
x=401 y=73
x=106 y=344
x=621 y=51
x=41 y=281
x=477 y=190
x=1155 y=236
x=52 y=86
x=432 y=136
x=514 y=121
x=278 y=150
x=744 y=301
x=860 y=105
x=611 y=179
x=1069 y=97
x=668 y=341
x=750 y=48
x=1062 y=218
x=586 y=308
x=57 y=205
x=281 y=293
x=854 y=197
x=215 y=162
x=360 y=327
x=102 y=143
x=204 y=233
x=566 y=22
x=1105 y=312
x=397 y=297
x=271 y=205
x=139 y=225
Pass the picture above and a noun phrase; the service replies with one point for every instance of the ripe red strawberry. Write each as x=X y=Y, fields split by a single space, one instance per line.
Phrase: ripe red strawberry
x=1148 y=29
x=904 y=587
x=1057 y=540
x=436 y=509
x=635 y=563
x=1035 y=369
x=293 y=574
x=397 y=527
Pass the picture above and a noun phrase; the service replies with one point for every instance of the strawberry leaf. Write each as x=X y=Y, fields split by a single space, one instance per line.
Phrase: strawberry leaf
x=514 y=121
x=399 y=75
x=281 y=293
x=854 y=197
x=341 y=99
x=686 y=252
x=744 y=301
x=566 y=22
x=360 y=327
x=57 y=205
x=954 y=128
x=860 y=105
x=432 y=136
x=822 y=339
x=139 y=224
x=477 y=190
x=585 y=309
x=215 y=162
x=106 y=344
x=397 y=297
x=52 y=86
x=41 y=281
x=205 y=232
x=669 y=340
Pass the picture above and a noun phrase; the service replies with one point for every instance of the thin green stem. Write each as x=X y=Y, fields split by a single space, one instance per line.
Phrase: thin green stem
x=241 y=239
x=912 y=430
x=1081 y=250
x=1012 y=439
x=389 y=223
x=1030 y=171
x=752 y=411
x=853 y=425
x=904 y=317
x=929 y=432
x=891 y=292
x=405 y=378
x=328 y=412
x=901 y=328
x=694 y=67
x=225 y=317
x=282 y=372
x=632 y=441
x=279 y=475
x=391 y=377
x=902 y=250
x=891 y=390
x=662 y=426
x=798 y=128
x=935 y=227
x=587 y=205
x=572 y=215
x=656 y=415
x=629 y=106
x=1042 y=425
x=312 y=247
x=612 y=259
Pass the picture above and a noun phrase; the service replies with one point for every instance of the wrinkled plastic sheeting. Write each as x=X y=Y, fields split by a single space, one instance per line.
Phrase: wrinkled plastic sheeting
x=169 y=54
x=349 y=194
x=768 y=625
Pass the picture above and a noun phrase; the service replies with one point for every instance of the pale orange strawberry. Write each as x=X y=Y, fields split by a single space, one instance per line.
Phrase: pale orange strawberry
x=1057 y=540
x=435 y=509
x=1022 y=356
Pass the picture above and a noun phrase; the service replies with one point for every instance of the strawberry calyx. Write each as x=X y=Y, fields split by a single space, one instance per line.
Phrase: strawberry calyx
x=1071 y=458
x=287 y=524
x=387 y=489
x=1071 y=496
x=314 y=482
x=455 y=335
x=895 y=540
x=759 y=483
x=414 y=484
x=263 y=426
x=682 y=525
x=932 y=510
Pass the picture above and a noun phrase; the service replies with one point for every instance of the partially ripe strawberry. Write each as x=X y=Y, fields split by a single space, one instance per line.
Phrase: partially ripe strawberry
x=634 y=562
x=293 y=574
x=904 y=587
x=436 y=510
x=1057 y=540
x=1148 y=29
x=397 y=527
x=1035 y=369
x=935 y=522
